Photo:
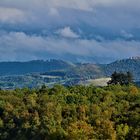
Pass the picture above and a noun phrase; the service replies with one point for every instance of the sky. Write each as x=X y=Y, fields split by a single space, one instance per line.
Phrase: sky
x=98 y=31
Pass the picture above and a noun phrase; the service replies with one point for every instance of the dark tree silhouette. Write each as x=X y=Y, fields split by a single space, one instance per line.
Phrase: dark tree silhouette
x=121 y=78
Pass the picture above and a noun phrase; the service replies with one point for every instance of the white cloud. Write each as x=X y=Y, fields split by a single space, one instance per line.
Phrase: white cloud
x=11 y=15
x=67 y=32
x=19 y=46
x=126 y=34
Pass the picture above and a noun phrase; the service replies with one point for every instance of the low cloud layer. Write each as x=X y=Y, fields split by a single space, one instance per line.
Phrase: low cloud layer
x=19 y=46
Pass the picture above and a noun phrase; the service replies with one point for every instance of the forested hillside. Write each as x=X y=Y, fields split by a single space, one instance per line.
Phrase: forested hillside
x=19 y=68
x=72 y=113
x=132 y=65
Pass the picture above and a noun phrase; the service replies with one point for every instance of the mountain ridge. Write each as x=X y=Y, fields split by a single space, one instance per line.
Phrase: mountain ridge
x=38 y=72
x=39 y=66
x=132 y=65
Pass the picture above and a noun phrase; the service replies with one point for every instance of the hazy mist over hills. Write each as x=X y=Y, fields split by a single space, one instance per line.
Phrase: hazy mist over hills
x=98 y=31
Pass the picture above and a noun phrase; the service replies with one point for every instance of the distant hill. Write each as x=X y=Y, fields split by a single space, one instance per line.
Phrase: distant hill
x=90 y=71
x=60 y=67
x=132 y=65
x=36 y=73
x=78 y=71
x=37 y=66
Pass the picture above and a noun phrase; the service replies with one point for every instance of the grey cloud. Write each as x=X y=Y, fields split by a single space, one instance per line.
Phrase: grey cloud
x=112 y=11
x=19 y=46
x=75 y=21
x=126 y=34
x=75 y=4
x=11 y=15
x=106 y=15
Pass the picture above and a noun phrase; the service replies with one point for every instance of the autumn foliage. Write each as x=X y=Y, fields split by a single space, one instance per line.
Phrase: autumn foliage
x=72 y=113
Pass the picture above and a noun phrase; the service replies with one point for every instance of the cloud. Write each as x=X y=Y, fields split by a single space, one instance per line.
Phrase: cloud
x=86 y=5
x=11 y=15
x=20 y=46
x=119 y=14
x=67 y=32
x=126 y=35
x=84 y=28
x=53 y=12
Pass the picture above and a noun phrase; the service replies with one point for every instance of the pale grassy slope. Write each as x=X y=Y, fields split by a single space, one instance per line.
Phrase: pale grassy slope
x=96 y=82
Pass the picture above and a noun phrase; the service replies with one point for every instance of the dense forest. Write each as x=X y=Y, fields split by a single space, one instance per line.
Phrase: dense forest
x=71 y=113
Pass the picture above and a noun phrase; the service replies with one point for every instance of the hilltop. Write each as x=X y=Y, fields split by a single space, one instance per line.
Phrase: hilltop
x=35 y=66
x=132 y=65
